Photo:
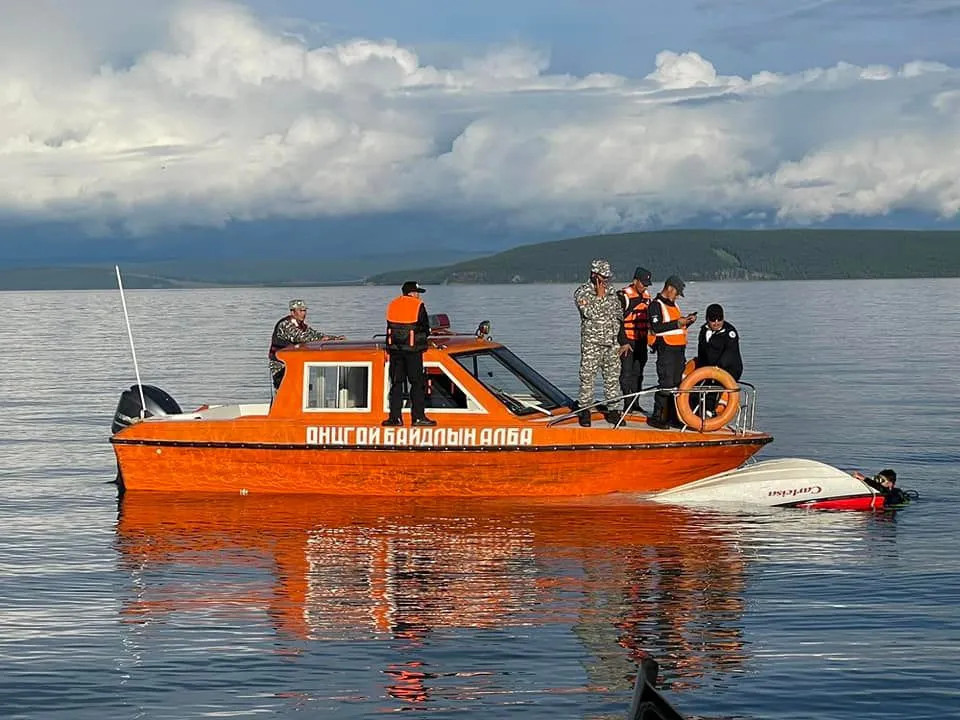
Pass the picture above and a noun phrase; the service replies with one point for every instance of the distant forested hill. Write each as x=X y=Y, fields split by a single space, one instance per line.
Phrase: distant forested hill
x=210 y=273
x=693 y=254
x=714 y=255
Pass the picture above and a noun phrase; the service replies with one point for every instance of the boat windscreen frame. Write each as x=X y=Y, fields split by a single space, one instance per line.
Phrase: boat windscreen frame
x=523 y=372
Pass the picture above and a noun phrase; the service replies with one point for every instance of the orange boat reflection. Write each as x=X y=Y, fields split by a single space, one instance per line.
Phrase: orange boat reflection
x=646 y=578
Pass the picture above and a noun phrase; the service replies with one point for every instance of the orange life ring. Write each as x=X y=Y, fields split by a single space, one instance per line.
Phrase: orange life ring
x=729 y=407
x=724 y=398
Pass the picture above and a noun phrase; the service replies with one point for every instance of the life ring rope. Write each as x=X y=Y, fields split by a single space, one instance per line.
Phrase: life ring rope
x=723 y=417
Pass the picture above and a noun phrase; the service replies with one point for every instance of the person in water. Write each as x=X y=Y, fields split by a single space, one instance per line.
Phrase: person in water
x=885 y=483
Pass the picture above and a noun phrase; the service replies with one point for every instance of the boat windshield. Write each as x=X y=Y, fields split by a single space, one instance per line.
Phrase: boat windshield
x=517 y=385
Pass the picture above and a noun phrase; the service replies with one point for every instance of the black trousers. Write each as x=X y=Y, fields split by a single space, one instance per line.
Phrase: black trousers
x=407 y=368
x=670 y=362
x=631 y=372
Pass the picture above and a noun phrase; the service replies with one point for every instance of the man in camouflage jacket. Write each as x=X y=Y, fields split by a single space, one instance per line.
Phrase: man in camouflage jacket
x=601 y=314
x=292 y=330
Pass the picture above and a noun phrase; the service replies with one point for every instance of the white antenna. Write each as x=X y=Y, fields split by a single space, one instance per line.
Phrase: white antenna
x=133 y=350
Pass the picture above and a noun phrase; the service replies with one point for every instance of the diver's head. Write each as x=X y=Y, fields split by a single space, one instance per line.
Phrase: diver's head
x=886 y=477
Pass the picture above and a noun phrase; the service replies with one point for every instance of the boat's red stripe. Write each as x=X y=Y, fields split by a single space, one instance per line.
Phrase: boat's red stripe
x=852 y=502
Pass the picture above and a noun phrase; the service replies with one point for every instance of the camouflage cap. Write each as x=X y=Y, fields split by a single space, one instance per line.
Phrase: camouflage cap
x=298 y=305
x=601 y=267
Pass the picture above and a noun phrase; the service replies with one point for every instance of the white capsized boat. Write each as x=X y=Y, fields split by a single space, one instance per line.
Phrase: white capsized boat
x=788 y=482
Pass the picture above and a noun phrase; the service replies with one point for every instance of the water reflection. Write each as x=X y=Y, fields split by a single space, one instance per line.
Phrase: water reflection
x=627 y=578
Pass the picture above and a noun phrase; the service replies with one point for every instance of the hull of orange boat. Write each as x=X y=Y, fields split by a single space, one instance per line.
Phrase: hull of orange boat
x=531 y=471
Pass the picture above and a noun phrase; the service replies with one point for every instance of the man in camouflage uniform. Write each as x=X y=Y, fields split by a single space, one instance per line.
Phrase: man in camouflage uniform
x=292 y=330
x=600 y=316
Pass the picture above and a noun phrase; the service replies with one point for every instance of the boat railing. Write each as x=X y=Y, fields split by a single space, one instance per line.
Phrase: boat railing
x=743 y=421
x=435 y=338
x=633 y=404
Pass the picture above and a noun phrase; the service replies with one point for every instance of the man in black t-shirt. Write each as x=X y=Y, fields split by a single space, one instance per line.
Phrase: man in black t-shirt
x=719 y=344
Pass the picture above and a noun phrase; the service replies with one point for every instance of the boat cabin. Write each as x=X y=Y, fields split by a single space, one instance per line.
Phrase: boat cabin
x=465 y=376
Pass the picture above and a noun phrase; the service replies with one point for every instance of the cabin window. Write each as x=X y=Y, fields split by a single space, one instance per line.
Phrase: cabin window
x=518 y=386
x=443 y=393
x=337 y=386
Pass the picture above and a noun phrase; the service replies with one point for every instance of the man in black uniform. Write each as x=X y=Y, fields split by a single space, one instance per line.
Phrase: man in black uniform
x=408 y=329
x=717 y=346
x=669 y=329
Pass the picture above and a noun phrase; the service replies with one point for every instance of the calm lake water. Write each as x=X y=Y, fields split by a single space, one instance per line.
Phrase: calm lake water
x=166 y=607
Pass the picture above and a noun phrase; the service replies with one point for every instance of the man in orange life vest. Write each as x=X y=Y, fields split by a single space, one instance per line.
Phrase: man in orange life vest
x=633 y=335
x=408 y=329
x=668 y=333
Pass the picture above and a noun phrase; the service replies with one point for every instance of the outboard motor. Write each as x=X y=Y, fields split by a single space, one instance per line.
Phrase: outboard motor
x=158 y=402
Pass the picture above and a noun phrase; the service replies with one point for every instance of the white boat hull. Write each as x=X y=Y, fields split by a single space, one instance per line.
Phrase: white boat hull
x=788 y=482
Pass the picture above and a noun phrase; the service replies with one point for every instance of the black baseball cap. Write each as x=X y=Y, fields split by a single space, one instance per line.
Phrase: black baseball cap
x=674 y=281
x=643 y=275
x=412 y=286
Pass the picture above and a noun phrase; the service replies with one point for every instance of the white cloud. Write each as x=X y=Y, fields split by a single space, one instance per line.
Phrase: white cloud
x=226 y=118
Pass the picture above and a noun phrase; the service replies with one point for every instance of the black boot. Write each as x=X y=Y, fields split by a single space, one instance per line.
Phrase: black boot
x=613 y=416
x=660 y=417
x=674 y=419
x=583 y=417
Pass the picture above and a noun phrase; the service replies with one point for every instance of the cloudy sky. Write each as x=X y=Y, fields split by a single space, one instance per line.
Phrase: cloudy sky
x=551 y=115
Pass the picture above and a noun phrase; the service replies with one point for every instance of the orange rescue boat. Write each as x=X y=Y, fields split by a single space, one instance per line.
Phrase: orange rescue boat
x=503 y=430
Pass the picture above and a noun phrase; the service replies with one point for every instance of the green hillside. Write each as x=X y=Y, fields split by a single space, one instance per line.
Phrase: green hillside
x=693 y=254
x=714 y=255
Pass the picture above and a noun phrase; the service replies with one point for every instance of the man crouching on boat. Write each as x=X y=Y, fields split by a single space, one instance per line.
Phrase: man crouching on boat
x=292 y=330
